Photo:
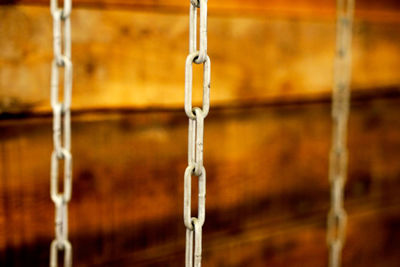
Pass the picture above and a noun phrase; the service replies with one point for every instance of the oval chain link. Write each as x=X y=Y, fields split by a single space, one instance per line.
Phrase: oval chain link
x=61 y=130
x=195 y=133
x=337 y=217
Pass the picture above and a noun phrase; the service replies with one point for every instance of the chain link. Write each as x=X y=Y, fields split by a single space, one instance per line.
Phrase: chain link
x=202 y=5
x=337 y=217
x=195 y=133
x=61 y=130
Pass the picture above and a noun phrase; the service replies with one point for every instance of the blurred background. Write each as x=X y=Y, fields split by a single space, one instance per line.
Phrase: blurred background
x=266 y=144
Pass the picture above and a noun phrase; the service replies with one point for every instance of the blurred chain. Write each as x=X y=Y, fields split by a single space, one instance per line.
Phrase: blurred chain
x=337 y=217
x=61 y=130
x=195 y=134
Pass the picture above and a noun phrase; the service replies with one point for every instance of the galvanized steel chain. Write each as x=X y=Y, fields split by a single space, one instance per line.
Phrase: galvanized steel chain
x=337 y=217
x=61 y=129
x=195 y=133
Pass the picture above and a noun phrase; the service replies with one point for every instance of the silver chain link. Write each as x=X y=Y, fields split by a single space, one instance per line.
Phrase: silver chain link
x=337 y=217
x=61 y=130
x=195 y=133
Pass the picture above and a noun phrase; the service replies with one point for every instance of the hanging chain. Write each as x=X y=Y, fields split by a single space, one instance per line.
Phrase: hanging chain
x=195 y=134
x=337 y=217
x=61 y=130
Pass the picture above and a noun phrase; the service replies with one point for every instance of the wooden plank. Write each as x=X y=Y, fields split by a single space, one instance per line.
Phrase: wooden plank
x=277 y=246
x=266 y=167
x=364 y=8
x=136 y=59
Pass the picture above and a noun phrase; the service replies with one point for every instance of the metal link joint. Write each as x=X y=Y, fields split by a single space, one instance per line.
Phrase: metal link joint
x=54 y=250
x=202 y=5
x=189 y=85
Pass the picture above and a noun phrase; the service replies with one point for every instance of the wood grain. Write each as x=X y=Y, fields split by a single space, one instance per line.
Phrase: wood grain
x=136 y=59
x=267 y=137
x=384 y=9
x=267 y=187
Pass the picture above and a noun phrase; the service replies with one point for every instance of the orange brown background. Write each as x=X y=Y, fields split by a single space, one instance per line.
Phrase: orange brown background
x=267 y=137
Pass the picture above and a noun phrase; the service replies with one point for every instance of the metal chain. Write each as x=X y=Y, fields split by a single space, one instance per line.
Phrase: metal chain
x=337 y=217
x=195 y=134
x=61 y=130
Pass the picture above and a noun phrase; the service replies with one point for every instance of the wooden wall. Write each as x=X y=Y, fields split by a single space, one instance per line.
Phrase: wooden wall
x=267 y=136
